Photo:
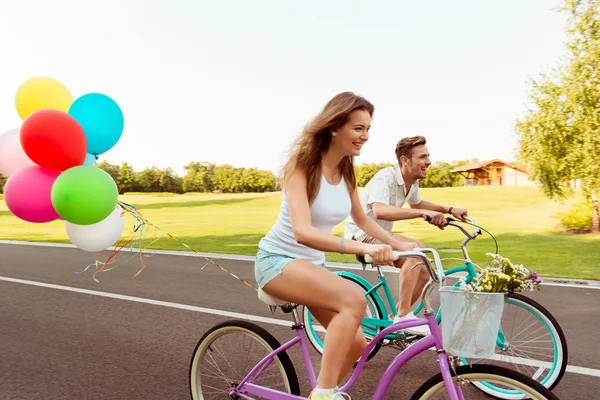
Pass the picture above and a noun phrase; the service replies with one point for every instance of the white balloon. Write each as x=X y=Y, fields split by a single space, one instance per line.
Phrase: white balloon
x=98 y=236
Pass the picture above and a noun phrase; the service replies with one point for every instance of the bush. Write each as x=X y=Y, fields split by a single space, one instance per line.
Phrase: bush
x=579 y=217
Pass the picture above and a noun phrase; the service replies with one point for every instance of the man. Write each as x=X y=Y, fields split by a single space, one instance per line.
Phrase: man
x=383 y=198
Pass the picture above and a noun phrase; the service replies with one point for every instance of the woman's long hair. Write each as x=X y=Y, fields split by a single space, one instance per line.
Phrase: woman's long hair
x=314 y=141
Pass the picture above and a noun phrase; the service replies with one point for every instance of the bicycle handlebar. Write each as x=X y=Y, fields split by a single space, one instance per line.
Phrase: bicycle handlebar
x=436 y=273
x=452 y=222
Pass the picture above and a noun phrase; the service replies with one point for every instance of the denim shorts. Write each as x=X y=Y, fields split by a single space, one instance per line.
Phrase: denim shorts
x=269 y=265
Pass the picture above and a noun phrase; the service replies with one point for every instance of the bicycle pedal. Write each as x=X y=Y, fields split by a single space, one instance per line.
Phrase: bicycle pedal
x=399 y=345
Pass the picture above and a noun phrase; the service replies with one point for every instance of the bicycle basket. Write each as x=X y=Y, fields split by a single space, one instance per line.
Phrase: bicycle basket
x=470 y=321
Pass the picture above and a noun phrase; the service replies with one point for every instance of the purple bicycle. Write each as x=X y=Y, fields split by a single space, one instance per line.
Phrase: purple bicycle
x=240 y=360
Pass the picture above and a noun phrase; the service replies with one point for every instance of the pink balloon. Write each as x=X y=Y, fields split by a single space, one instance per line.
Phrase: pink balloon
x=27 y=194
x=12 y=156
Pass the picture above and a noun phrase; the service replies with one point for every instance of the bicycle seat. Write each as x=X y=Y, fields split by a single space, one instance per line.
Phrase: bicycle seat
x=270 y=300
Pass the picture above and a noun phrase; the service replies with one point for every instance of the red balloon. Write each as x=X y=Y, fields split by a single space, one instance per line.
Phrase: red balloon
x=53 y=140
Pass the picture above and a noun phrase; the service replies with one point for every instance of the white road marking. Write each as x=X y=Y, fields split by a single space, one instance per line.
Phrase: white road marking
x=562 y=282
x=255 y=318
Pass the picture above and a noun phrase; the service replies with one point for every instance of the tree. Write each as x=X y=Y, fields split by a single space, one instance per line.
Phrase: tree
x=227 y=178
x=365 y=172
x=169 y=181
x=148 y=180
x=126 y=178
x=199 y=177
x=3 y=180
x=111 y=169
x=439 y=175
x=559 y=136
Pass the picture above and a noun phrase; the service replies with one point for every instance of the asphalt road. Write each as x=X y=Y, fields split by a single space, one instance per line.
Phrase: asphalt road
x=68 y=344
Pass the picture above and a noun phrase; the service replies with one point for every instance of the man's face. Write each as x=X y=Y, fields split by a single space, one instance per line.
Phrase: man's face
x=418 y=162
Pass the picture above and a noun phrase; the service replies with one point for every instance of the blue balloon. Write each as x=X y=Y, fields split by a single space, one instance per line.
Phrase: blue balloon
x=90 y=159
x=101 y=119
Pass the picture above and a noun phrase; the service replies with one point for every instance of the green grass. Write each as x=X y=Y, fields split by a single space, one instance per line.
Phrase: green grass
x=522 y=220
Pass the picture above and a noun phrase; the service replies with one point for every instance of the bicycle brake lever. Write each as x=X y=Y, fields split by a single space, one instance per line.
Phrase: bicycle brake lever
x=361 y=259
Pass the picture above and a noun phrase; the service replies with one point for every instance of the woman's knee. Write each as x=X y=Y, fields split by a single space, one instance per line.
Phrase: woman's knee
x=354 y=300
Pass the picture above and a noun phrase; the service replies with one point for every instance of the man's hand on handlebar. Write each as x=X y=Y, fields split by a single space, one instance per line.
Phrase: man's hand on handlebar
x=459 y=213
x=435 y=218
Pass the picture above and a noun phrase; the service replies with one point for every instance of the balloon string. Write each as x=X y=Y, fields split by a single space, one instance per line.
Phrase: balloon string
x=139 y=233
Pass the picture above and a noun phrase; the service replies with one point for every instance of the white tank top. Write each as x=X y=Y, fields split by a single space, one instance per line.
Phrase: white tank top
x=331 y=207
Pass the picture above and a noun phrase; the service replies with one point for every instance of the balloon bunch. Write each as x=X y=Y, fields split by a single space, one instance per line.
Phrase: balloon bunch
x=50 y=162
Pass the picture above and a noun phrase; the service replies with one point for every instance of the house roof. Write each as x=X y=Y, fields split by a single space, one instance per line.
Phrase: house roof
x=481 y=164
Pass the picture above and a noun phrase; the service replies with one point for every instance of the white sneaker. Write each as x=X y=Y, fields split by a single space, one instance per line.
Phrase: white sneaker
x=422 y=330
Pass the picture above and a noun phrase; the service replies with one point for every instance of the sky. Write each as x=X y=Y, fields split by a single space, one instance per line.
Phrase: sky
x=234 y=82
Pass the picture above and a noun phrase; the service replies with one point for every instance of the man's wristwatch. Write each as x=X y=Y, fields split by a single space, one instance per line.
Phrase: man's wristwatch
x=450 y=210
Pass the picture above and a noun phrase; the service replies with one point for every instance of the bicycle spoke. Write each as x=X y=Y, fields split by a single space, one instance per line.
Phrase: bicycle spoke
x=229 y=357
x=215 y=365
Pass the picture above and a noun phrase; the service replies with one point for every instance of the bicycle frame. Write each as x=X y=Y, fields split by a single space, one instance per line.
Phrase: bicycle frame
x=372 y=325
x=435 y=339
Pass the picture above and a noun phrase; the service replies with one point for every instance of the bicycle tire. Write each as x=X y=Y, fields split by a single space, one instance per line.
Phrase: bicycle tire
x=435 y=384
x=562 y=350
x=269 y=342
x=316 y=342
x=558 y=335
x=561 y=335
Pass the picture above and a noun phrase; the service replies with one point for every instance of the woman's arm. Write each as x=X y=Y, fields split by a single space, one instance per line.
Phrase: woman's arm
x=305 y=233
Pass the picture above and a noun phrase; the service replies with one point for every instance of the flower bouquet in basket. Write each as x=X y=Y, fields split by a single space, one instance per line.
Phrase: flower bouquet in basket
x=502 y=276
x=472 y=312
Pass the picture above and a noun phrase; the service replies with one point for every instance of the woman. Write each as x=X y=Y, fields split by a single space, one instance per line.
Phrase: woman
x=319 y=192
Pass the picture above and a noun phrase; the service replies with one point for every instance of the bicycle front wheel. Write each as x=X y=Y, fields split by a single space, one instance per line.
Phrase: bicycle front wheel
x=228 y=352
x=531 y=342
x=467 y=376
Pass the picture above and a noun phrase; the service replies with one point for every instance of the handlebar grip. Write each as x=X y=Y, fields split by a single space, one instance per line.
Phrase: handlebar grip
x=368 y=259
x=448 y=219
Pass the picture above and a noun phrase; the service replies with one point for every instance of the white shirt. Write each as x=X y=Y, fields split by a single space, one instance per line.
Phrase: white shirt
x=331 y=206
x=386 y=186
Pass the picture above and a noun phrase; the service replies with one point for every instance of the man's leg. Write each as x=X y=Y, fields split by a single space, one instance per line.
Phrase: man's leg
x=410 y=281
x=413 y=277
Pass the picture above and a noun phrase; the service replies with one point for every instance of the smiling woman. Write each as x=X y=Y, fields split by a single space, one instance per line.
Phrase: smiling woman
x=319 y=192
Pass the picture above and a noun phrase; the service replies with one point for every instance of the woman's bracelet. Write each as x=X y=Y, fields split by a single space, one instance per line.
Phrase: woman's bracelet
x=342 y=245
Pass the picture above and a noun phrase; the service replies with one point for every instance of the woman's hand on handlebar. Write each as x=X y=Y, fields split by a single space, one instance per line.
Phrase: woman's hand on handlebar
x=382 y=254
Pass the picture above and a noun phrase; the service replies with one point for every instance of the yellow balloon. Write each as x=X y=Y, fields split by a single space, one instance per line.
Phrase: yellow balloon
x=42 y=92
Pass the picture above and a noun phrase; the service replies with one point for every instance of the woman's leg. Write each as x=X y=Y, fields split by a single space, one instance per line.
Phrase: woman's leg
x=356 y=349
x=305 y=283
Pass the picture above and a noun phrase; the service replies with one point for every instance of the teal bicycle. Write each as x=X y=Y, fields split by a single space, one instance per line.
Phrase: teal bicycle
x=530 y=339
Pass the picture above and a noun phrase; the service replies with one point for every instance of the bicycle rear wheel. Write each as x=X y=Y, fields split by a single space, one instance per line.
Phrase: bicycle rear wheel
x=228 y=352
x=467 y=376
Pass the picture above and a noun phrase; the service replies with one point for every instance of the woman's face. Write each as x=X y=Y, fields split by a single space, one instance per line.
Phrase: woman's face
x=349 y=139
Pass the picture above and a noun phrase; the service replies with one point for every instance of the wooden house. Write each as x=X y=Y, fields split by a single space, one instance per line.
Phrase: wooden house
x=493 y=172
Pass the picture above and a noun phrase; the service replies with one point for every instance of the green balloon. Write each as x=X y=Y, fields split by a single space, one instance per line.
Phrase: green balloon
x=84 y=195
